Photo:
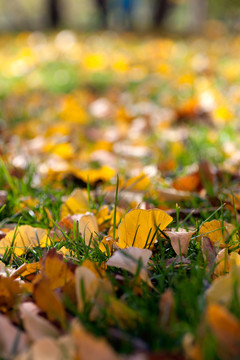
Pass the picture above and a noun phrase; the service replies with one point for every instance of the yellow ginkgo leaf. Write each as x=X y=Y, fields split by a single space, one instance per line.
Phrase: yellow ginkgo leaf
x=24 y=238
x=140 y=227
x=76 y=203
x=219 y=233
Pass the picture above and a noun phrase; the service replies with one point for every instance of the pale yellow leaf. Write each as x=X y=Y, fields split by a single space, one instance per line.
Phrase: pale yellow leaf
x=222 y=289
x=36 y=326
x=87 y=226
x=129 y=259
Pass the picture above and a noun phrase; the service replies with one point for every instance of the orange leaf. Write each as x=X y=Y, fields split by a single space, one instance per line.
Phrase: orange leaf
x=47 y=301
x=58 y=271
x=226 y=328
x=9 y=293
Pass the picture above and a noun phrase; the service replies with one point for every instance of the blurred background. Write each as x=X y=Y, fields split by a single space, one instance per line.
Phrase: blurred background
x=138 y=15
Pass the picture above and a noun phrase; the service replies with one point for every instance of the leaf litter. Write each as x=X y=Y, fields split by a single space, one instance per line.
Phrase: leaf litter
x=119 y=198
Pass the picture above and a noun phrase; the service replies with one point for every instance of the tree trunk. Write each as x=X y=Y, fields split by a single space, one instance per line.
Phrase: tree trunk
x=54 y=11
x=161 y=8
x=102 y=7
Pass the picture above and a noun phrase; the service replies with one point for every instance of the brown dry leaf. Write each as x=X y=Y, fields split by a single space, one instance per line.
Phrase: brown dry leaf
x=219 y=232
x=35 y=325
x=226 y=328
x=89 y=347
x=177 y=261
x=58 y=271
x=47 y=301
x=10 y=291
x=11 y=338
x=76 y=203
x=23 y=238
x=166 y=307
x=140 y=226
x=3 y=197
x=180 y=240
x=130 y=258
x=209 y=252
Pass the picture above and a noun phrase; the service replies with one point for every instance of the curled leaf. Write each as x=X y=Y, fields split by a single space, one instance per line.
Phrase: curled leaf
x=87 y=226
x=180 y=240
x=130 y=259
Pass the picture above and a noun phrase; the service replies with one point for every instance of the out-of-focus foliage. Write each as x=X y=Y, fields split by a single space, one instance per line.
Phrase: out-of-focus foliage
x=119 y=196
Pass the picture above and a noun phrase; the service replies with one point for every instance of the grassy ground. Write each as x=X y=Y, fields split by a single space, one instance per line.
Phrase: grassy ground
x=135 y=123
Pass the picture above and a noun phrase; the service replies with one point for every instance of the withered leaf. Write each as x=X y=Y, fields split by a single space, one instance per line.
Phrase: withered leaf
x=48 y=301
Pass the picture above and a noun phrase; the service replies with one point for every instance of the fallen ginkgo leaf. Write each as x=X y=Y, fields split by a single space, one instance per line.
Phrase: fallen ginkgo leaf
x=219 y=232
x=76 y=203
x=180 y=240
x=87 y=226
x=23 y=238
x=140 y=227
